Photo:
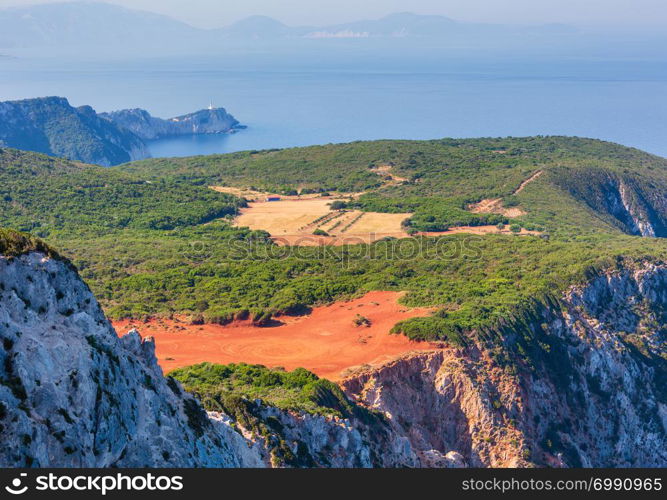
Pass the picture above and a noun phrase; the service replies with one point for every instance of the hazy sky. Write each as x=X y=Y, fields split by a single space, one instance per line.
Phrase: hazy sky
x=216 y=13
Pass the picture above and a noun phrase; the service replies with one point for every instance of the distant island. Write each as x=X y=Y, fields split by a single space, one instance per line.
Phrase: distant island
x=51 y=125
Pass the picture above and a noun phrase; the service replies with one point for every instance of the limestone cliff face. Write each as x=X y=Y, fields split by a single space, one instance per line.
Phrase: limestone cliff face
x=634 y=204
x=645 y=210
x=443 y=402
x=586 y=389
x=73 y=394
x=281 y=438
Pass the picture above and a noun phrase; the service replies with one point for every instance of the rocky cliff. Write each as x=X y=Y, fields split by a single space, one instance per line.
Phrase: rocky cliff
x=147 y=127
x=633 y=202
x=74 y=394
x=579 y=382
x=288 y=438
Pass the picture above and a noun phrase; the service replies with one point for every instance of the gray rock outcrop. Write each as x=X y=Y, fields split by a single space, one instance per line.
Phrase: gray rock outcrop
x=147 y=127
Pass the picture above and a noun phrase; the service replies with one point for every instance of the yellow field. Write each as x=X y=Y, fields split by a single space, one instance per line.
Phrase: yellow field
x=285 y=216
x=293 y=221
x=373 y=222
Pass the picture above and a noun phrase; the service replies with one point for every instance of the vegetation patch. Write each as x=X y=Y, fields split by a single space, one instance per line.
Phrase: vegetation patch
x=14 y=244
x=298 y=390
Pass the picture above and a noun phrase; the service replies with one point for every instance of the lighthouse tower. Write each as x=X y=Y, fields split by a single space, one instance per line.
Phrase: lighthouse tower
x=210 y=106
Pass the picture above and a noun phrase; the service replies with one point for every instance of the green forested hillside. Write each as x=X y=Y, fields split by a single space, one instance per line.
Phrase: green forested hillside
x=43 y=195
x=144 y=236
x=443 y=177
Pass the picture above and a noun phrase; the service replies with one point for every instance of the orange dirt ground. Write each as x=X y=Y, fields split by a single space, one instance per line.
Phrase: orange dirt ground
x=325 y=342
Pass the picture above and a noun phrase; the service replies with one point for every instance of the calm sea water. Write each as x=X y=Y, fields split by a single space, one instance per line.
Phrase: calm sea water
x=287 y=101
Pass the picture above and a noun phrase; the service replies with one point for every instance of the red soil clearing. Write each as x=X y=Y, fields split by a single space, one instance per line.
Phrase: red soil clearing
x=326 y=341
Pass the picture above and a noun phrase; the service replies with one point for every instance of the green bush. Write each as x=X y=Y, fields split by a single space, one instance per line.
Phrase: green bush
x=338 y=205
x=430 y=328
x=296 y=390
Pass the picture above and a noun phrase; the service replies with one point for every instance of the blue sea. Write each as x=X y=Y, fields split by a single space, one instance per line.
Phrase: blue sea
x=301 y=99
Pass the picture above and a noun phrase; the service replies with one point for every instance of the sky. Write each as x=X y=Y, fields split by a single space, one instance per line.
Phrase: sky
x=593 y=13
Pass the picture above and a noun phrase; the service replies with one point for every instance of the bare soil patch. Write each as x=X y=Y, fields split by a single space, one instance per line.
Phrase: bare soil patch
x=327 y=341
x=292 y=220
x=386 y=172
x=495 y=206
x=285 y=216
x=528 y=181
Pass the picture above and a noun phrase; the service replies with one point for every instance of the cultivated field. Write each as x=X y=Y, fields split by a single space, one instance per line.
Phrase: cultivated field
x=292 y=222
x=285 y=216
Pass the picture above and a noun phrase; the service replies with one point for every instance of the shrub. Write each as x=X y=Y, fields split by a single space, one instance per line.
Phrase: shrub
x=360 y=320
x=338 y=205
x=430 y=328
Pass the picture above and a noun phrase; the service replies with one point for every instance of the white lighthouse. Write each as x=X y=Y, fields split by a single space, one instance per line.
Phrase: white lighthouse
x=210 y=106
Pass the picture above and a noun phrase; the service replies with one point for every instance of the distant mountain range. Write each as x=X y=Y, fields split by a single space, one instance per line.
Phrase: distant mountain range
x=399 y=25
x=51 y=125
x=77 y=23
x=100 y=24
